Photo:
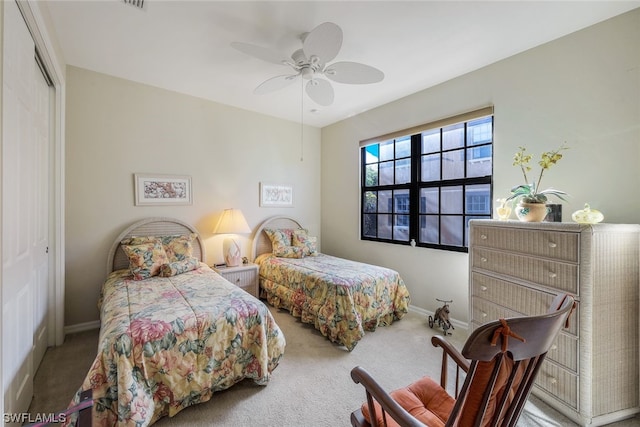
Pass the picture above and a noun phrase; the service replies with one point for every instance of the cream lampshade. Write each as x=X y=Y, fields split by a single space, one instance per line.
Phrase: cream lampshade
x=232 y=222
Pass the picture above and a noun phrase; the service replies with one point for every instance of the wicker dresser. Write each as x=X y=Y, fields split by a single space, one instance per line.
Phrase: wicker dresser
x=592 y=372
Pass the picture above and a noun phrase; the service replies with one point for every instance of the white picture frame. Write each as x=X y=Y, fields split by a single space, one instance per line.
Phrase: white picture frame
x=162 y=190
x=276 y=195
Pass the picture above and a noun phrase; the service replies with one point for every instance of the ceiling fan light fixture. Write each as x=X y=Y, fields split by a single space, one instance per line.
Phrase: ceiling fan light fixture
x=320 y=46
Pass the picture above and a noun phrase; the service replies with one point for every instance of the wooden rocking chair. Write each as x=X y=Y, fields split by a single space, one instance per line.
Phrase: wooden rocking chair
x=501 y=360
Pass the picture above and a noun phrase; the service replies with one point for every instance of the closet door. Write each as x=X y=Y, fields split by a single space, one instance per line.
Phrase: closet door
x=24 y=209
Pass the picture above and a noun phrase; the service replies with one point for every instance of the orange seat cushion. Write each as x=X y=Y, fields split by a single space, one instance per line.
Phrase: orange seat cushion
x=424 y=399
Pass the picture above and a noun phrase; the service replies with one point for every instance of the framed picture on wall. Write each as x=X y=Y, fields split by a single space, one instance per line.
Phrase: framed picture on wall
x=159 y=189
x=276 y=195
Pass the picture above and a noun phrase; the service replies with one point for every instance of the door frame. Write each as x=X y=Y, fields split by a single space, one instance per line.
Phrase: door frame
x=45 y=46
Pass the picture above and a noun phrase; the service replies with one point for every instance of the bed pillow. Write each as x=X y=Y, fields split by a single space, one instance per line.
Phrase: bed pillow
x=281 y=243
x=146 y=256
x=307 y=243
x=178 y=247
x=178 y=267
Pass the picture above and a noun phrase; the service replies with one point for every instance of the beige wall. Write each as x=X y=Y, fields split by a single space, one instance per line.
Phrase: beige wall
x=583 y=89
x=116 y=128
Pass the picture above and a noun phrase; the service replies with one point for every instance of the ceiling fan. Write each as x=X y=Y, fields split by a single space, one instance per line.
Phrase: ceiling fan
x=311 y=63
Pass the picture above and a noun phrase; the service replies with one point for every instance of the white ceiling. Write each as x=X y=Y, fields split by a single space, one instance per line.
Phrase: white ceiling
x=184 y=46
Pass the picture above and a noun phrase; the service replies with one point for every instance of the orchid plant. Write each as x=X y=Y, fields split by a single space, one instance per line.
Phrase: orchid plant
x=530 y=191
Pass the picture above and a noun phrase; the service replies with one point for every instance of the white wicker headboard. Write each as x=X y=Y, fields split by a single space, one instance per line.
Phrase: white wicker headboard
x=157 y=226
x=261 y=243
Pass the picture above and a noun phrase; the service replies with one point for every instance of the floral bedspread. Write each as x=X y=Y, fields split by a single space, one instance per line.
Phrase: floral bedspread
x=342 y=298
x=168 y=343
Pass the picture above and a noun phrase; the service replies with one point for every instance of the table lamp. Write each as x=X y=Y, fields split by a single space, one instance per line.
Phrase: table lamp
x=232 y=222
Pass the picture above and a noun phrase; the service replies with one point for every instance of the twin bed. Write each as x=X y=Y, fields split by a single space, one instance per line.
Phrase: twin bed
x=341 y=298
x=173 y=331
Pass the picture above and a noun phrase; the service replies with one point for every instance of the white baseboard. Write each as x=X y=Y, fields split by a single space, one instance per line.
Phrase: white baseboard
x=81 y=327
x=426 y=313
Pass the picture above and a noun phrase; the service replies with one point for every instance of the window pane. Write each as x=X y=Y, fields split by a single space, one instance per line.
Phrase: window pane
x=452 y=200
x=371 y=153
x=384 y=201
x=386 y=173
x=478 y=199
x=403 y=147
x=370 y=201
x=480 y=131
x=429 y=230
x=384 y=226
x=402 y=201
x=401 y=228
x=369 y=225
x=453 y=136
x=430 y=141
x=453 y=164
x=403 y=171
x=429 y=202
x=451 y=230
x=386 y=150
x=479 y=161
x=430 y=168
x=371 y=175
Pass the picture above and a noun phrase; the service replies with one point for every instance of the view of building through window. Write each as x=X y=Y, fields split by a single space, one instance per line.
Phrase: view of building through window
x=427 y=186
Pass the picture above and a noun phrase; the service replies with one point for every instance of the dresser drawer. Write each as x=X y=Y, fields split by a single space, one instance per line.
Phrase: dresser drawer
x=520 y=299
x=564 y=351
x=559 y=382
x=485 y=311
x=558 y=245
x=557 y=275
x=245 y=277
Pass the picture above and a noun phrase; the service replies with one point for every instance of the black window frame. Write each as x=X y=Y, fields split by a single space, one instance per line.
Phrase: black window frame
x=417 y=214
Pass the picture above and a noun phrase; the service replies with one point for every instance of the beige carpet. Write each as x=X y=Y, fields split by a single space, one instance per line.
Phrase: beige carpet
x=310 y=387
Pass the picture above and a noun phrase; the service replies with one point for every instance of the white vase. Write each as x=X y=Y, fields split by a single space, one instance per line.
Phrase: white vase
x=531 y=212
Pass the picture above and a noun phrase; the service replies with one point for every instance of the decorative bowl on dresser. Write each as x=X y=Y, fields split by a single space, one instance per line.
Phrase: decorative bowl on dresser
x=591 y=374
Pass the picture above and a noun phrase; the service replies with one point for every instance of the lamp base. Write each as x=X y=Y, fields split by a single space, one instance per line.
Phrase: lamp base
x=231 y=251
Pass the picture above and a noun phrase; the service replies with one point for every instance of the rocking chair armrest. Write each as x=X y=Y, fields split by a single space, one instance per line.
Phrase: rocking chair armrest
x=390 y=406
x=451 y=351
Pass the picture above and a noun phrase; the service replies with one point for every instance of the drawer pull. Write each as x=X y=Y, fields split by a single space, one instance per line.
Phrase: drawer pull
x=553 y=380
x=238 y=280
x=483 y=288
x=553 y=245
x=553 y=275
x=483 y=236
x=483 y=314
x=483 y=259
x=554 y=347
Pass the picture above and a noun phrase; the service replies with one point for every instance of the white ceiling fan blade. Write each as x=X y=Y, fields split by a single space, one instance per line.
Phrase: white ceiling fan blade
x=275 y=83
x=320 y=91
x=324 y=41
x=353 y=73
x=261 y=53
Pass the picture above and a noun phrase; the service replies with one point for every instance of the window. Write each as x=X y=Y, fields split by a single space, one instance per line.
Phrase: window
x=425 y=185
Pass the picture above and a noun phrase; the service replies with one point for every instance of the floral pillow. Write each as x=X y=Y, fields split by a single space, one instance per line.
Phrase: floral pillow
x=281 y=243
x=146 y=256
x=179 y=247
x=178 y=267
x=302 y=240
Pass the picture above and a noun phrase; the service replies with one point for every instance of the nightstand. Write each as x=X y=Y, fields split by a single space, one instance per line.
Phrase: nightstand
x=244 y=276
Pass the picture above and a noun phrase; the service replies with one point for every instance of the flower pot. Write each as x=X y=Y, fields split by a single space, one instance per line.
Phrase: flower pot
x=531 y=212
